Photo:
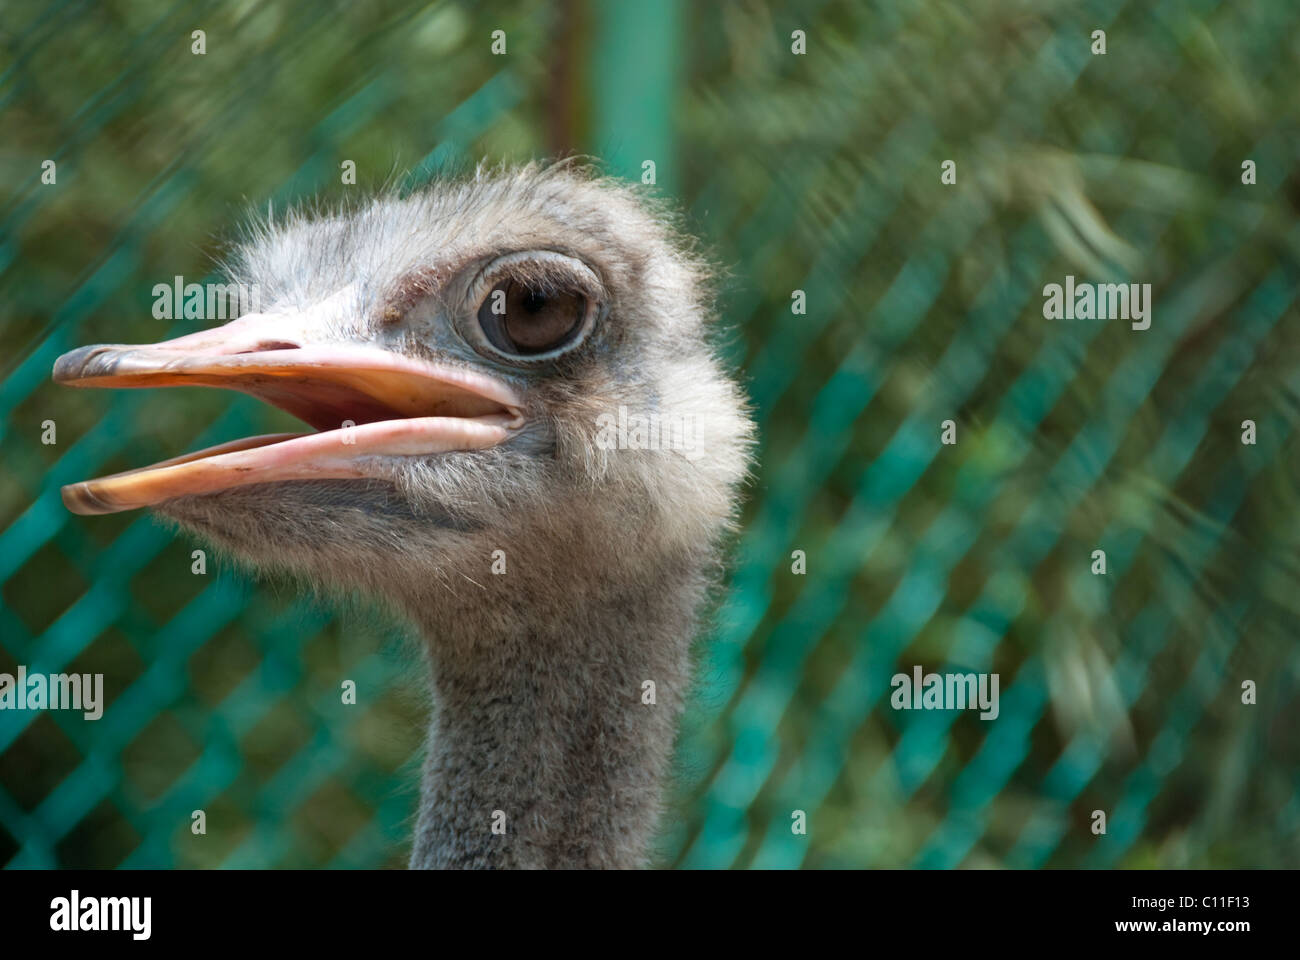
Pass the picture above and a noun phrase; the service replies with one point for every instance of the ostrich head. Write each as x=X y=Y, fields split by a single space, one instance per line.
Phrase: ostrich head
x=523 y=442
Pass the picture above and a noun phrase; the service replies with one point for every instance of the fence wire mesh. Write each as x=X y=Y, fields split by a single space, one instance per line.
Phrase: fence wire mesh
x=817 y=172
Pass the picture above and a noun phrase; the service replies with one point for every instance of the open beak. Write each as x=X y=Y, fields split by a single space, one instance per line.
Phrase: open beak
x=364 y=401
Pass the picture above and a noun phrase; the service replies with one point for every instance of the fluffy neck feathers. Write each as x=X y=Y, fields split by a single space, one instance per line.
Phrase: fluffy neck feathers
x=539 y=714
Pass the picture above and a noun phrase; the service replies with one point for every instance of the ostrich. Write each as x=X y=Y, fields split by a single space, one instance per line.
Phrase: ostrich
x=487 y=365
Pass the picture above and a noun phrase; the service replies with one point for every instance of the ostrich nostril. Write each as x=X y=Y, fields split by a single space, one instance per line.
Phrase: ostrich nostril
x=266 y=345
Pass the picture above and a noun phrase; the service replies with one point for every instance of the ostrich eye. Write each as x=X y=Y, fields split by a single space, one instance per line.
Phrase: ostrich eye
x=526 y=320
x=530 y=307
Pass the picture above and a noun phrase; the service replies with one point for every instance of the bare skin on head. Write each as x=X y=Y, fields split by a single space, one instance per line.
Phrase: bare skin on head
x=455 y=352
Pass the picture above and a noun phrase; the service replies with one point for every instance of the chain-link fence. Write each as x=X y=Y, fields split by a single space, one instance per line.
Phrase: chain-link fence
x=824 y=172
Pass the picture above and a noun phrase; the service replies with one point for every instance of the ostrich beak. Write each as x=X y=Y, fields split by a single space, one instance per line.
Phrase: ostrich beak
x=365 y=401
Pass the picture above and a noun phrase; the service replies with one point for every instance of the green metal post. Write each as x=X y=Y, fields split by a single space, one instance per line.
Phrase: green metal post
x=636 y=60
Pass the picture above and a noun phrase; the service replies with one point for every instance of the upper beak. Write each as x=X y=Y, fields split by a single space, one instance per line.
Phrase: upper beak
x=367 y=401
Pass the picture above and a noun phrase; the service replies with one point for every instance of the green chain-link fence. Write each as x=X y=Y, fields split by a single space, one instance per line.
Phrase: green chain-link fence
x=817 y=172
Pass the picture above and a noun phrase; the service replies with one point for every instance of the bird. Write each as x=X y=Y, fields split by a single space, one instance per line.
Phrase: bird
x=523 y=441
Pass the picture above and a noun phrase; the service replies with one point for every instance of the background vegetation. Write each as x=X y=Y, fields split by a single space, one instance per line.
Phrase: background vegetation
x=817 y=172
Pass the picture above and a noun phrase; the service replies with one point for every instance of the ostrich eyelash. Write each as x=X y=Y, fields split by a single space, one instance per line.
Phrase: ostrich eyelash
x=547 y=271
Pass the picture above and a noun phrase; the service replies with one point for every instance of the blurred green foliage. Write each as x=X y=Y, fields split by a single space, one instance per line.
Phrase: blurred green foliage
x=817 y=172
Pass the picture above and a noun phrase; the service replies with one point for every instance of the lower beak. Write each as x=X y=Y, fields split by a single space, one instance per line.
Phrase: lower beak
x=364 y=402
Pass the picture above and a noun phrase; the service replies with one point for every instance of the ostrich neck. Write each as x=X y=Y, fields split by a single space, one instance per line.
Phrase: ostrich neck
x=542 y=751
